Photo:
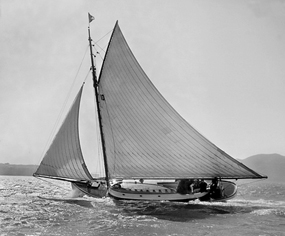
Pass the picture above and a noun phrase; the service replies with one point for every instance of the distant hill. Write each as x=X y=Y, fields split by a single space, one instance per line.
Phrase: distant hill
x=20 y=170
x=272 y=165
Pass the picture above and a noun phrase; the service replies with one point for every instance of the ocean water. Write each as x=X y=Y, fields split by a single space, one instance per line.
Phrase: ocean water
x=29 y=206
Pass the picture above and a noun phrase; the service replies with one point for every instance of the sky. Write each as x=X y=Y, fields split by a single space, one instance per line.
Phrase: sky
x=220 y=64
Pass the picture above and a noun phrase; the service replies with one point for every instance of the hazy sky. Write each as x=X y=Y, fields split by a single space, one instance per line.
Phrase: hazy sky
x=220 y=64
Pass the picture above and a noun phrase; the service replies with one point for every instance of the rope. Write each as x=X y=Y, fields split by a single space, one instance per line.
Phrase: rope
x=87 y=75
x=68 y=95
x=101 y=49
x=100 y=54
x=103 y=36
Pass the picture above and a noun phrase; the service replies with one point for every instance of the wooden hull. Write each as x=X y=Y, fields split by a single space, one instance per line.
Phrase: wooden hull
x=99 y=192
x=228 y=190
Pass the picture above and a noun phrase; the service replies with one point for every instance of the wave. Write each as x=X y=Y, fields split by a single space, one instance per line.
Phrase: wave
x=54 y=213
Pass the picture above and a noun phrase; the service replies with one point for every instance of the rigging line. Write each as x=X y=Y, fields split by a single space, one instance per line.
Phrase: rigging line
x=99 y=51
x=64 y=105
x=87 y=75
x=102 y=49
x=102 y=58
x=52 y=183
x=103 y=36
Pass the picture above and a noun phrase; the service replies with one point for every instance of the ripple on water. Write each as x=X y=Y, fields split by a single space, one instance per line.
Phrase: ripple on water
x=21 y=211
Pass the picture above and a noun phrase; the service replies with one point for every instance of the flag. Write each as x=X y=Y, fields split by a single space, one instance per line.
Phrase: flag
x=90 y=17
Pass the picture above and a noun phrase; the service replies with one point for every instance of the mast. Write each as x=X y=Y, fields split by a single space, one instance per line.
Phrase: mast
x=95 y=86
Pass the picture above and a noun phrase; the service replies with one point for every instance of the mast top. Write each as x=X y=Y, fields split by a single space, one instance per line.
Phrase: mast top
x=93 y=68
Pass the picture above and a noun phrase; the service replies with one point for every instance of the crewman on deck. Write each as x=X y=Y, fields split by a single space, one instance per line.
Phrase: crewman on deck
x=214 y=188
x=203 y=186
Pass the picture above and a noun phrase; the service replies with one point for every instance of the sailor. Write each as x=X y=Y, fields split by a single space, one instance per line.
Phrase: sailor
x=89 y=185
x=203 y=186
x=182 y=186
x=214 y=188
x=185 y=186
x=191 y=184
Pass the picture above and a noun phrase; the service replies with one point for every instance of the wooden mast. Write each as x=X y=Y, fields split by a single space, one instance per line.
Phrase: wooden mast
x=95 y=85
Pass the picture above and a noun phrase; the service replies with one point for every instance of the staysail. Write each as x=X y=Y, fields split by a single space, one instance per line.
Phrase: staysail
x=144 y=136
x=64 y=159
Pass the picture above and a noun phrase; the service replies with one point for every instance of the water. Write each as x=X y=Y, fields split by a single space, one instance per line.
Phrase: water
x=259 y=210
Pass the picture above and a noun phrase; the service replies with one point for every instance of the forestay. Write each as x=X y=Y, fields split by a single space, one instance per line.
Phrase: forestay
x=144 y=136
x=64 y=158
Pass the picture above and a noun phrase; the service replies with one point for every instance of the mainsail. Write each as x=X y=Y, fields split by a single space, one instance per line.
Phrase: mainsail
x=144 y=136
x=64 y=159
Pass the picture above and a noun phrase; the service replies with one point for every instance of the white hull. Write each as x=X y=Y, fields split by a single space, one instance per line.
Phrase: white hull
x=150 y=192
x=129 y=195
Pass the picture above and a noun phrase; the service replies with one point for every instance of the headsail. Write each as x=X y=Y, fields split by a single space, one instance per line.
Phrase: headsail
x=64 y=159
x=144 y=136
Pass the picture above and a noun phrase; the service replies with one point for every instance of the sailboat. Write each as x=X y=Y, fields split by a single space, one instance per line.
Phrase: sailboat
x=142 y=137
